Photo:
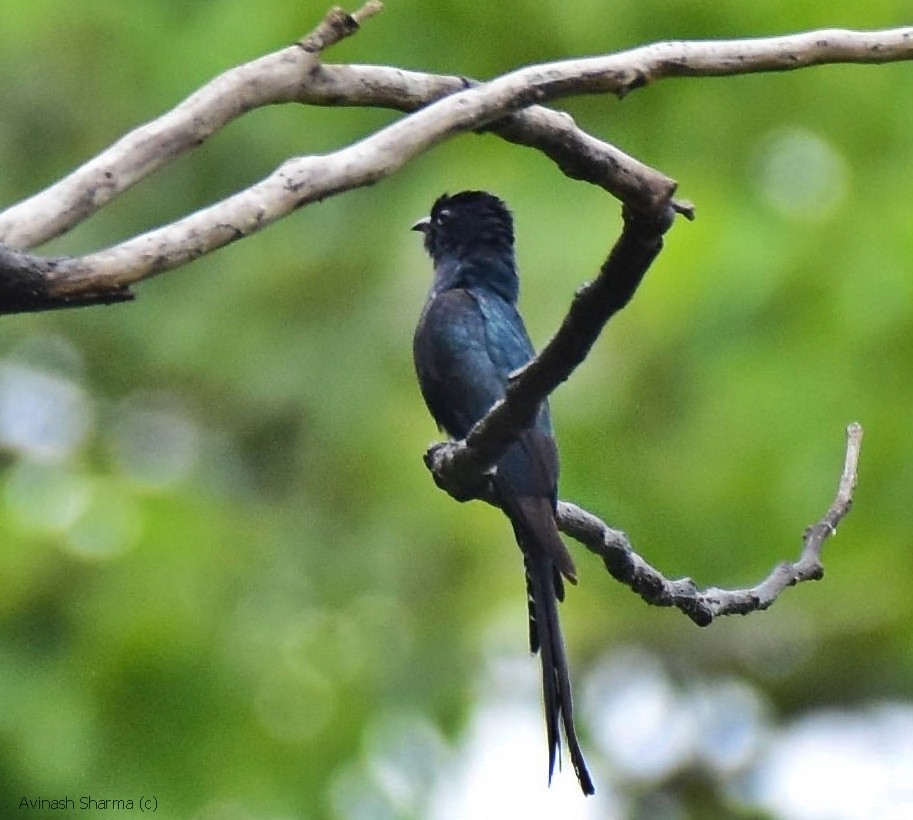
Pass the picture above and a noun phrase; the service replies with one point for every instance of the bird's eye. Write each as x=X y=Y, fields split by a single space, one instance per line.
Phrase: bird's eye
x=443 y=216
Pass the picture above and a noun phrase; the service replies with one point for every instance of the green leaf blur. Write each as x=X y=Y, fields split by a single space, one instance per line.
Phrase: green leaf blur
x=228 y=579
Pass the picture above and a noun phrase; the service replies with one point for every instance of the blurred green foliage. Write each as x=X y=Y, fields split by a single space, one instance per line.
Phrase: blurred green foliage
x=226 y=573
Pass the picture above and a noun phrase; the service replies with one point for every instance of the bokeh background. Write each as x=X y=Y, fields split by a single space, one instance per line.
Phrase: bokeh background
x=227 y=579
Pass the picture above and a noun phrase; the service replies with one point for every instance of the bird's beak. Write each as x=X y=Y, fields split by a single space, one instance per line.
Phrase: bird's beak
x=422 y=225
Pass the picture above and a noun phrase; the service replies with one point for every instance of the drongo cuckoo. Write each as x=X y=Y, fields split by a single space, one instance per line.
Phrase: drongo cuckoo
x=469 y=339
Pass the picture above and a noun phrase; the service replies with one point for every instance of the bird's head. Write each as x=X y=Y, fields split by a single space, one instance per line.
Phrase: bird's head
x=472 y=231
x=465 y=222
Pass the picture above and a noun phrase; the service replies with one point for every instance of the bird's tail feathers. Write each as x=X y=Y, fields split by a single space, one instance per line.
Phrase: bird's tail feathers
x=533 y=519
x=545 y=587
x=556 y=684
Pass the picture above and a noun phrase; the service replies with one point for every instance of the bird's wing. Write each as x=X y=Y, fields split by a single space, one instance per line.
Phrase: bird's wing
x=508 y=342
x=458 y=378
x=531 y=465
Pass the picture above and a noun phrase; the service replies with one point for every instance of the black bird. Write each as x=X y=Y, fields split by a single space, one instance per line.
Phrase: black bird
x=469 y=339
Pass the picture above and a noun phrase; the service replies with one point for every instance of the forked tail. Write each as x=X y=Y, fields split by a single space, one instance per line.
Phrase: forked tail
x=538 y=537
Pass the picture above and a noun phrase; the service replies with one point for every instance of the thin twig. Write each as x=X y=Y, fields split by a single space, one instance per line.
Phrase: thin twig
x=336 y=26
x=703 y=607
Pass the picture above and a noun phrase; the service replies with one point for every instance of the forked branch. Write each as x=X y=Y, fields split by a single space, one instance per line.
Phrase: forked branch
x=438 y=108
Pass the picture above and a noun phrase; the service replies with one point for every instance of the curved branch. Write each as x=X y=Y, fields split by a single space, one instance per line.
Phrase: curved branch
x=703 y=607
x=296 y=74
x=462 y=468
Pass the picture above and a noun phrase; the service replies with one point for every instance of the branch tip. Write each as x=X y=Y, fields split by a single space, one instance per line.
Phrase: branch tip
x=369 y=9
x=685 y=208
x=337 y=25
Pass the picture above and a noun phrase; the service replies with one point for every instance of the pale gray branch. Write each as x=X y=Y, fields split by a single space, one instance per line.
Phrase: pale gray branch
x=505 y=104
x=704 y=606
x=296 y=74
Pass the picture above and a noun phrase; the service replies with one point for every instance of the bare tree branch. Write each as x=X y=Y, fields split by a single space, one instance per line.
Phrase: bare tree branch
x=703 y=607
x=505 y=105
x=296 y=74
x=437 y=108
x=337 y=25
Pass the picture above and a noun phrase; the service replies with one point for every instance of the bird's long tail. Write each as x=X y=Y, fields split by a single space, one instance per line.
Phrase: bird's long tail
x=545 y=587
